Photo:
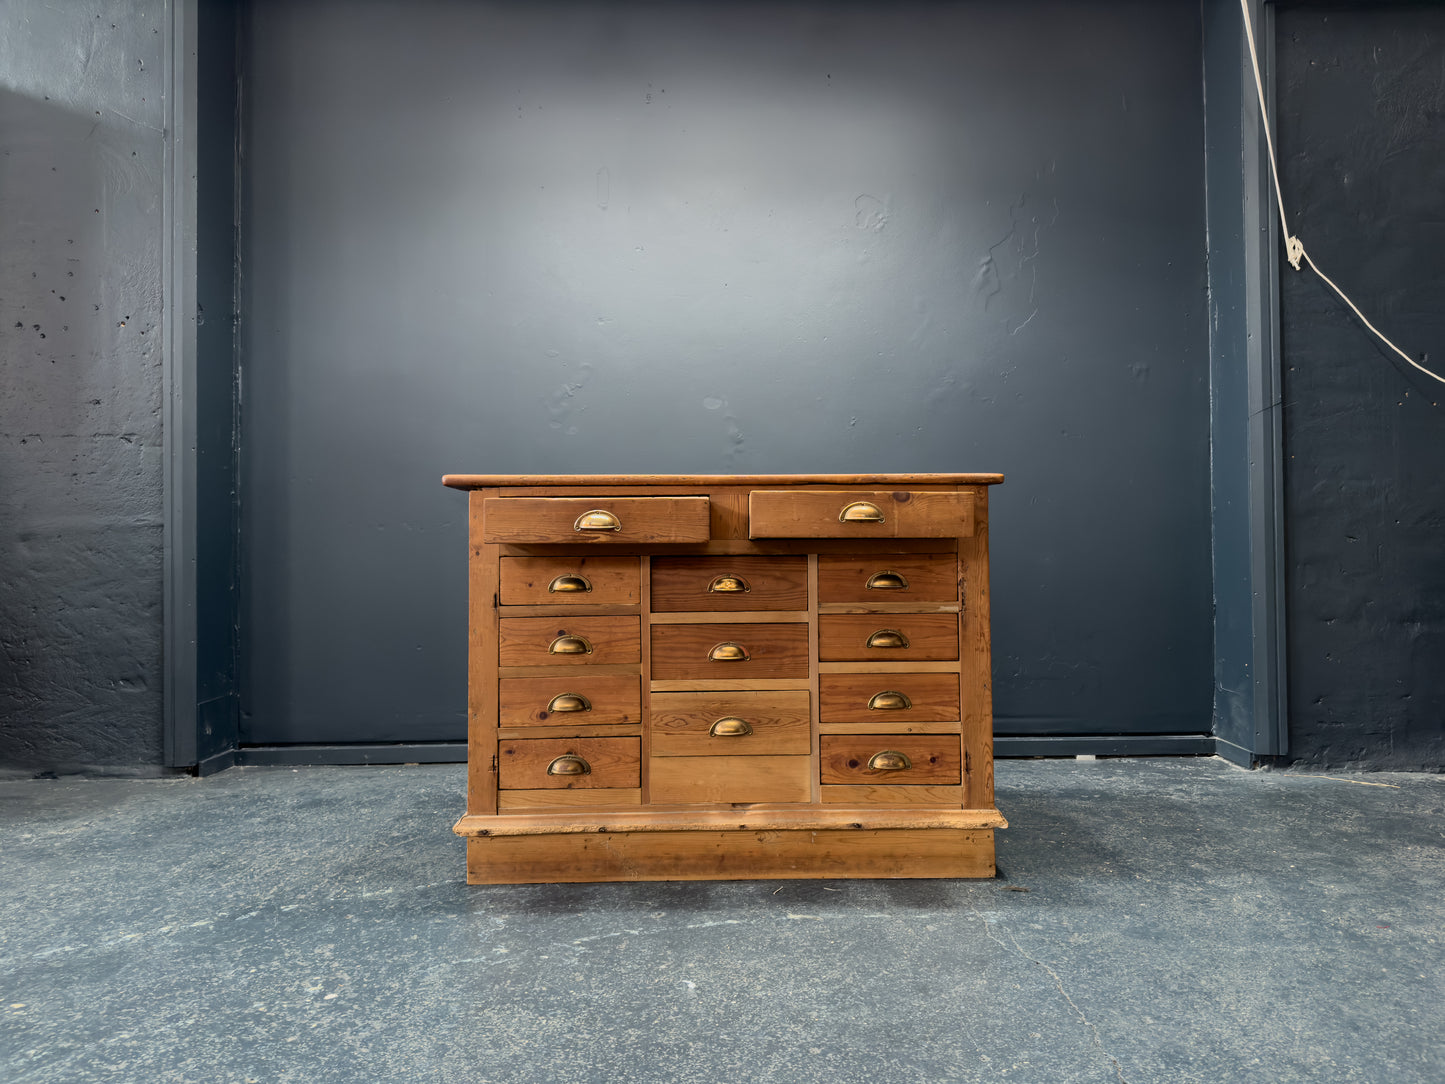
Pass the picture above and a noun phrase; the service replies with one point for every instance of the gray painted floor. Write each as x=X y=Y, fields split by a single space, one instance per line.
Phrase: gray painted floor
x=1182 y=921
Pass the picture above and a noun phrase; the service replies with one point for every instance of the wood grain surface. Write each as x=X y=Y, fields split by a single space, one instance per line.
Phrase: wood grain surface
x=935 y=758
x=615 y=698
x=844 y=637
x=522 y=764
x=774 y=651
x=681 y=723
x=774 y=583
x=613 y=580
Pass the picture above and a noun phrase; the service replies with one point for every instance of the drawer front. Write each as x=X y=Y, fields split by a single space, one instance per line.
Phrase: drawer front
x=888 y=699
x=683 y=780
x=569 y=641
x=576 y=698
x=870 y=578
x=891 y=759
x=794 y=513
x=729 y=583
x=569 y=763
x=601 y=520
x=887 y=637
x=729 y=651
x=571 y=581
x=729 y=724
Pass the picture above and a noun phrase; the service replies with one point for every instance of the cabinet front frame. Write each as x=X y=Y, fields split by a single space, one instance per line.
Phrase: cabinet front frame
x=728 y=507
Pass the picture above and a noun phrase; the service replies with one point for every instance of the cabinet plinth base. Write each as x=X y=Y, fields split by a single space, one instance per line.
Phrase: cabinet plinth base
x=730 y=855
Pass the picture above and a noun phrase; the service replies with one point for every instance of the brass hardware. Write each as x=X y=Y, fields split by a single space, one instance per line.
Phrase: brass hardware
x=565 y=702
x=890 y=760
x=728 y=585
x=730 y=727
x=728 y=652
x=889 y=700
x=597 y=520
x=887 y=581
x=566 y=585
x=572 y=764
x=888 y=638
x=861 y=512
x=570 y=645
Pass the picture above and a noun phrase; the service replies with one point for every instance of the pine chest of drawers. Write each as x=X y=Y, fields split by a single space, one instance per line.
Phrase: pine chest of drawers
x=717 y=677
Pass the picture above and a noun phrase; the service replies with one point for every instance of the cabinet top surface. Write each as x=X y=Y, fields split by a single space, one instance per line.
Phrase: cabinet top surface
x=498 y=481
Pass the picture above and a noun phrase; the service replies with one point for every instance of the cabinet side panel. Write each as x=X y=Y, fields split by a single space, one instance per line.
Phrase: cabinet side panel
x=975 y=660
x=483 y=573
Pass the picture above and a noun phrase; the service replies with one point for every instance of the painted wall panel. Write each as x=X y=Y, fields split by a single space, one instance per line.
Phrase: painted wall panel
x=1361 y=101
x=511 y=237
x=81 y=157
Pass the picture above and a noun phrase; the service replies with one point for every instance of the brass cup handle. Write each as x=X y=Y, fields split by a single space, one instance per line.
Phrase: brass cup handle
x=728 y=585
x=889 y=638
x=730 y=727
x=572 y=764
x=887 y=580
x=728 y=652
x=567 y=702
x=889 y=700
x=568 y=585
x=597 y=520
x=570 y=645
x=861 y=512
x=889 y=760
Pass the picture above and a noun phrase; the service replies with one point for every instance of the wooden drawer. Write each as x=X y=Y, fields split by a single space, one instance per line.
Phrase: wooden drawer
x=683 y=780
x=887 y=637
x=877 y=578
x=571 y=581
x=730 y=723
x=892 y=759
x=601 y=520
x=574 y=698
x=729 y=583
x=569 y=641
x=807 y=513
x=888 y=699
x=569 y=763
x=742 y=650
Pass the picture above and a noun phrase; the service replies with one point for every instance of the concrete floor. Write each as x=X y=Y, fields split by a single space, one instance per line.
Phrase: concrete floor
x=1157 y=920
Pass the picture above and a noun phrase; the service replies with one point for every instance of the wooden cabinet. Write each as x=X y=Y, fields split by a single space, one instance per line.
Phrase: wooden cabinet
x=719 y=677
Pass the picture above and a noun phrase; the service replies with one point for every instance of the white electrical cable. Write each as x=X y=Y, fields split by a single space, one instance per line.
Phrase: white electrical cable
x=1293 y=247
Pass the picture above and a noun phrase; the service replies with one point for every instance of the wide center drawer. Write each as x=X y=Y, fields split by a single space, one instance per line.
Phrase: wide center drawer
x=729 y=583
x=730 y=651
x=863 y=513
x=603 y=520
x=730 y=723
x=568 y=641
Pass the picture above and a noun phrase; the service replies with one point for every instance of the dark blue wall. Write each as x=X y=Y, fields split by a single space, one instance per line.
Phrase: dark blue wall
x=511 y=237
x=1360 y=128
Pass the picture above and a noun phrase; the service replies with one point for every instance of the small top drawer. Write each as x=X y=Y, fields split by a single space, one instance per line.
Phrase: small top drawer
x=568 y=641
x=604 y=520
x=570 y=581
x=810 y=513
x=879 y=577
x=729 y=583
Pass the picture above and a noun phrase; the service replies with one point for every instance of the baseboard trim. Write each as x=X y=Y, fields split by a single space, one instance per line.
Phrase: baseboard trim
x=432 y=752
x=1106 y=745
